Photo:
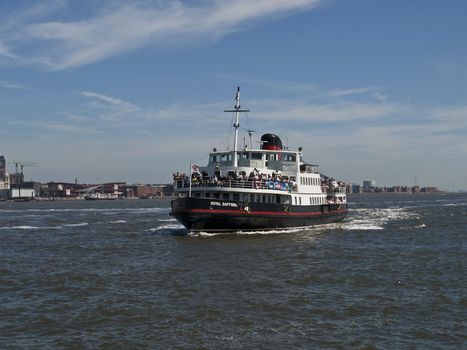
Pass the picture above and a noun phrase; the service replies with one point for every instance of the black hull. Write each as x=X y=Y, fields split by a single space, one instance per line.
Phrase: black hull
x=215 y=215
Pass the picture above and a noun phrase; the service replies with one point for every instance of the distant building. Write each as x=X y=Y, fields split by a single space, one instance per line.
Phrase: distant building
x=4 y=177
x=429 y=189
x=16 y=178
x=146 y=191
x=369 y=183
x=17 y=193
x=75 y=190
x=5 y=183
x=354 y=188
x=2 y=168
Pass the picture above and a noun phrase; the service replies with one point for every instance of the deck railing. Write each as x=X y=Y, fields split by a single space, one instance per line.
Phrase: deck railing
x=254 y=184
x=250 y=184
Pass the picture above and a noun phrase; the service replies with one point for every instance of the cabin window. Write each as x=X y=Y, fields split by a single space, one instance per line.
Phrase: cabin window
x=236 y=197
x=208 y=195
x=288 y=157
x=244 y=156
x=257 y=156
x=278 y=198
x=225 y=196
x=213 y=159
x=197 y=195
x=296 y=201
x=264 y=198
x=225 y=157
x=300 y=200
x=215 y=195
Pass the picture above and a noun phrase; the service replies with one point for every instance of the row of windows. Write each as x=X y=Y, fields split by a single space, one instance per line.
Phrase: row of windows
x=246 y=197
x=227 y=157
x=260 y=198
x=313 y=200
x=310 y=181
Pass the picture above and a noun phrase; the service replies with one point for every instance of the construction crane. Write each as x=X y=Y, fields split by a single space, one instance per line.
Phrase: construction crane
x=21 y=166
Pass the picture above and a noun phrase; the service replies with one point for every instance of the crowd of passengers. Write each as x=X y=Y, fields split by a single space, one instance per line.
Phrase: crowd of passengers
x=331 y=185
x=259 y=180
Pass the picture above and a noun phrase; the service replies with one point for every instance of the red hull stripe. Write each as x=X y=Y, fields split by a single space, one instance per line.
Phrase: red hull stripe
x=223 y=211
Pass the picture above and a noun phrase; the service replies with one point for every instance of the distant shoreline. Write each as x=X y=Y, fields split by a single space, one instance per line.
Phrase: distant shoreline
x=38 y=199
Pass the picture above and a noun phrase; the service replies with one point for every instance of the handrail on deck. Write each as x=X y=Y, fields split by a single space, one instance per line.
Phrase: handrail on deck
x=256 y=184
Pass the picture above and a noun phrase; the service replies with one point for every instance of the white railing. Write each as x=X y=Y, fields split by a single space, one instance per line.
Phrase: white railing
x=253 y=184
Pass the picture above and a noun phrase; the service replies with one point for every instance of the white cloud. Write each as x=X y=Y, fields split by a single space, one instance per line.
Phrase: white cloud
x=368 y=90
x=10 y=85
x=126 y=26
x=456 y=113
x=323 y=113
x=379 y=96
x=106 y=99
x=5 y=52
x=340 y=92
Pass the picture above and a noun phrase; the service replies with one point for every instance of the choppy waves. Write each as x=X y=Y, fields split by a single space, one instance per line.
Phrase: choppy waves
x=384 y=277
x=376 y=218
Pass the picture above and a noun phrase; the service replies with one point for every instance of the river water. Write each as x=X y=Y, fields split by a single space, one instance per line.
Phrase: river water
x=123 y=274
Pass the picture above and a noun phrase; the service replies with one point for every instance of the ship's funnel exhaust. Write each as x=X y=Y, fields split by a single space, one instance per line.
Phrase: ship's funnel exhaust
x=271 y=142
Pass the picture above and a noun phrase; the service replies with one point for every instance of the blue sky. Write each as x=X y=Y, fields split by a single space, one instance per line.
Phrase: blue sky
x=134 y=90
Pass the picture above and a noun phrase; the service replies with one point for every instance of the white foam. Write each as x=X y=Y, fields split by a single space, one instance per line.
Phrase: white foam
x=118 y=222
x=167 y=227
x=166 y=220
x=77 y=225
x=23 y=227
x=376 y=218
x=261 y=232
x=26 y=227
x=362 y=227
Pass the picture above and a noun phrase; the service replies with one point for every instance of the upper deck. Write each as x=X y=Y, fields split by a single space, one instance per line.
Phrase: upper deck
x=283 y=161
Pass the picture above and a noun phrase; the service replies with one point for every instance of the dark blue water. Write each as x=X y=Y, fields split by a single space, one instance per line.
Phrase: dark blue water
x=119 y=274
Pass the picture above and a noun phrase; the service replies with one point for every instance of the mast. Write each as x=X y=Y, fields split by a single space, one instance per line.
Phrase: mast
x=236 y=125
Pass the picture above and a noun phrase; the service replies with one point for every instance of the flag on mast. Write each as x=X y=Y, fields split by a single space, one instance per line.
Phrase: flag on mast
x=194 y=168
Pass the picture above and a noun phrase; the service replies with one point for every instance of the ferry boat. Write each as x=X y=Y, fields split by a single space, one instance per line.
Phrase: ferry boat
x=247 y=189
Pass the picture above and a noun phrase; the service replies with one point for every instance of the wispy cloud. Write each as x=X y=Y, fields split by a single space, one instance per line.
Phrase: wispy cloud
x=109 y=100
x=123 y=26
x=455 y=113
x=10 y=85
x=371 y=91
x=323 y=112
x=356 y=91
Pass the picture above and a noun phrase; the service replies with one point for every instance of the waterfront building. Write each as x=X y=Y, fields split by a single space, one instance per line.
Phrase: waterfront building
x=369 y=183
x=2 y=168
